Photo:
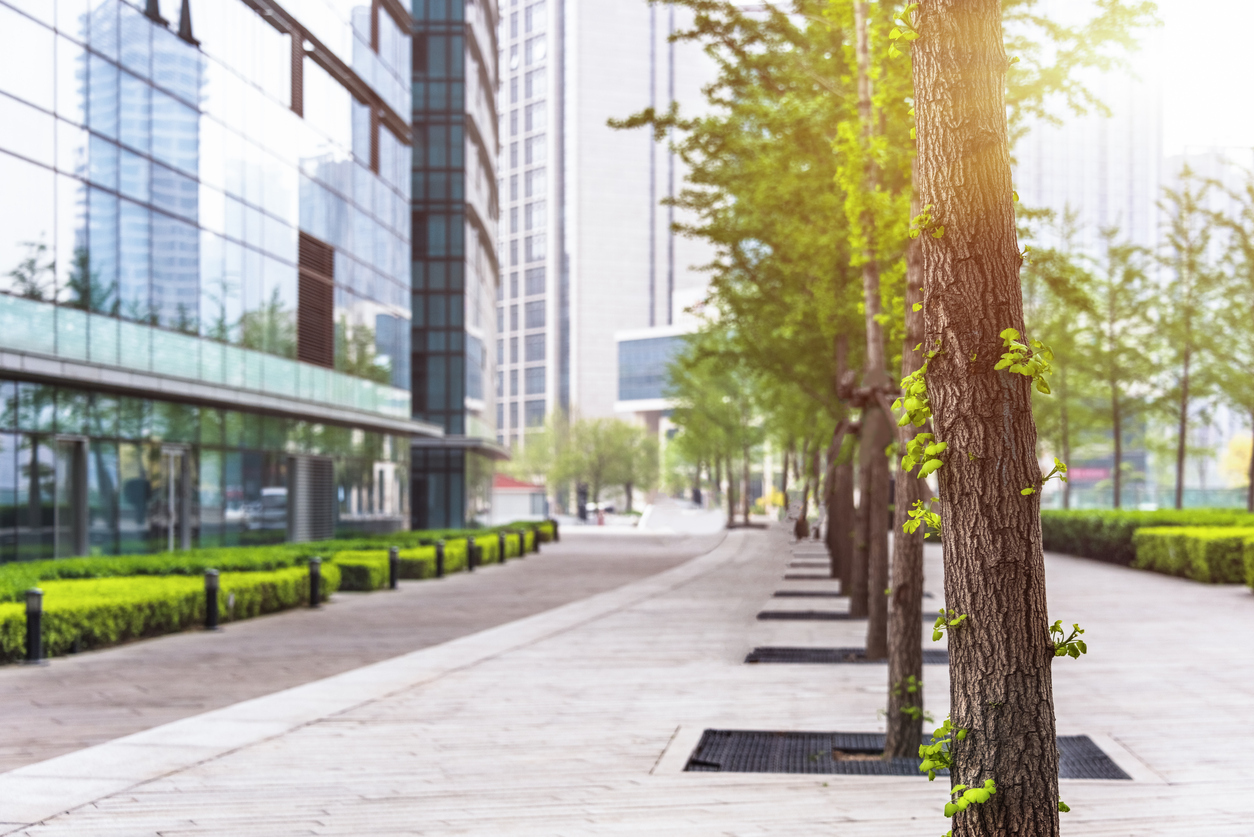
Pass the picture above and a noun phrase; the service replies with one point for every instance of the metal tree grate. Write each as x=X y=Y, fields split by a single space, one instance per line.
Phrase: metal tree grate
x=856 y=753
x=808 y=594
x=816 y=616
x=831 y=656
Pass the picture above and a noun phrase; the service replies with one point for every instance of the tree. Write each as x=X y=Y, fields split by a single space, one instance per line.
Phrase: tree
x=640 y=464
x=1184 y=324
x=1234 y=357
x=1001 y=691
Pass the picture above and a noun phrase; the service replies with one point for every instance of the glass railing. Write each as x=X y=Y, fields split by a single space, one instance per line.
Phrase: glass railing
x=70 y=334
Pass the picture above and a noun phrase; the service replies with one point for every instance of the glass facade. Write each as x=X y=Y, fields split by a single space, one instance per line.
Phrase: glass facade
x=642 y=366
x=202 y=193
x=455 y=271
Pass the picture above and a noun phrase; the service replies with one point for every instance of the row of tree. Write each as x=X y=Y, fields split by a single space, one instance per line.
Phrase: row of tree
x=583 y=457
x=851 y=213
x=1143 y=337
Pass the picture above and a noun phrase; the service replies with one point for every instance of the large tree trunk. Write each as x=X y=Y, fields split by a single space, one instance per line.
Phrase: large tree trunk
x=839 y=526
x=783 y=489
x=844 y=521
x=627 y=490
x=744 y=499
x=905 y=652
x=1001 y=687
x=876 y=428
x=802 y=527
x=1182 y=439
x=731 y=496
x=1116 y=416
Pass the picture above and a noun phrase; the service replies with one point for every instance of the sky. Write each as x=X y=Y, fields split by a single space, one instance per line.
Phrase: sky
x=1205 y=68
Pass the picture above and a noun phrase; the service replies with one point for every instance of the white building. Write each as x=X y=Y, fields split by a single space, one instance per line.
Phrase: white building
x=586 y=249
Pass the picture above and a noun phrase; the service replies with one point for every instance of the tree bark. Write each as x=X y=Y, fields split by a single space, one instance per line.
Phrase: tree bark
x=1182 y=439
x=1116 y=416
x=731 y=496
x=836 y=538
x=1001 y=687
x=876 y=427
x=784 y=482
x=905 y=653
x=802 y=527
x=844 y=522
x=744 y=498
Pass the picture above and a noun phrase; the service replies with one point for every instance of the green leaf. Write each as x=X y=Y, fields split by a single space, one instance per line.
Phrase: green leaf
x=1063 y=807
x=939 y=232
x=895 y=34
x=918 y=306
x=930 y=467
x=1026 y=491
x=936 y=636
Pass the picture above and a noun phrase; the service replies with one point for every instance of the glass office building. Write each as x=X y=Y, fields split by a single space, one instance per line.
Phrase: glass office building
x=204 y=307
x=455 y=270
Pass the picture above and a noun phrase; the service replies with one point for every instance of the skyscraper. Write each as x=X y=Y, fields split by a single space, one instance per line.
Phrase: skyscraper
x=455 y=269
x=586 y=247
x=204 y=324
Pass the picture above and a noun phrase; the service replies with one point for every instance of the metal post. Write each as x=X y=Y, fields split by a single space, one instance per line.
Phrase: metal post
x=211 y=600
x=500 y=545
x=470 y=554
x=535 y=540
x=557 y=536
x=315 y=582
x=394 y=566
x=34 y=626
x=439 y=559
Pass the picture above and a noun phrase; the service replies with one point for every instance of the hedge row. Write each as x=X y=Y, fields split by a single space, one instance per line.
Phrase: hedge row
x=17 y=577
x=1107 y=535
x=368 y=569
x=1213 y=554
x=83 y=614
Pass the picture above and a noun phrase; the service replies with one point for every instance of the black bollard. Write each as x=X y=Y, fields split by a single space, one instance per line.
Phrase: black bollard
x=535 y=541
x=34 y=626
x=315 y=582
x=470 y=555
x=522 y=542
x=439 y=559
x=211 y=600
x=557 y=536
x=394 y=566
x=500 y=546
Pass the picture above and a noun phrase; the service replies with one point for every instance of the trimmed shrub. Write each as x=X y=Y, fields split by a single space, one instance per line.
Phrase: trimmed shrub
x=1214 y=555
x=1106 y=535
x=95 y=613
x=362 y=570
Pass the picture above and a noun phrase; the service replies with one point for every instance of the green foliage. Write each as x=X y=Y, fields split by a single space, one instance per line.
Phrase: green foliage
x=1107 y=535
x=1059 y=470
x=1032 y=362
x=921 y=514
x=947 y=621
x=97 y=613
x=911 y=686
x=937 y=754
x=963 y=796
x=1216 y=555
x=1067 y=645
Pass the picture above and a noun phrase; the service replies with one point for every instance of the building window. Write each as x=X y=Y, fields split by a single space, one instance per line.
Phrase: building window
x=535 y=216
x=513 y=90
x=513 y=414
x=535 y=314
x=534 y=150
x=513 y=219
x=513 y=251
x=513 y=155
x=513 y=285
x=500 y=351
x=537 y=49
x=534 y=17
x=535 y=281
x=513 y=123
x=500 y=384
x=513 y=382
x=513 y=318
x=513 y=187
x=500 y=419
x=534 y=182
x=534 y=412
x=500 y=318
x=535 y=117
x=534 y=380
x=535 y=248
x=513 y=350
x=513 y=57
x=513 y=24
x=534 y=347
x=535 y=83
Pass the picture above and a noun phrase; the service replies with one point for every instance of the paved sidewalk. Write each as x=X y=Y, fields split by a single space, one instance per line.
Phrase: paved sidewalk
x=578 y=721
x=91 y=698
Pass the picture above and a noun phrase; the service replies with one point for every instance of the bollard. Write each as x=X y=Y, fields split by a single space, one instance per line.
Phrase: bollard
x=535 y=541
x=34 y=626
x=470 y=554
x=522 y=542
x=211 y=600
x=439 y=559
x=394 y=566
x=557 y=536
x=500 y=546
x=315 y=582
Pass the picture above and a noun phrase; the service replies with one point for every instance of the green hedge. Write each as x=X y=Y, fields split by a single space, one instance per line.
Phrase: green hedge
x=16 y=577
x=99 y=612
x=367 y=569
x=1107 y=535
x=1213 y=554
